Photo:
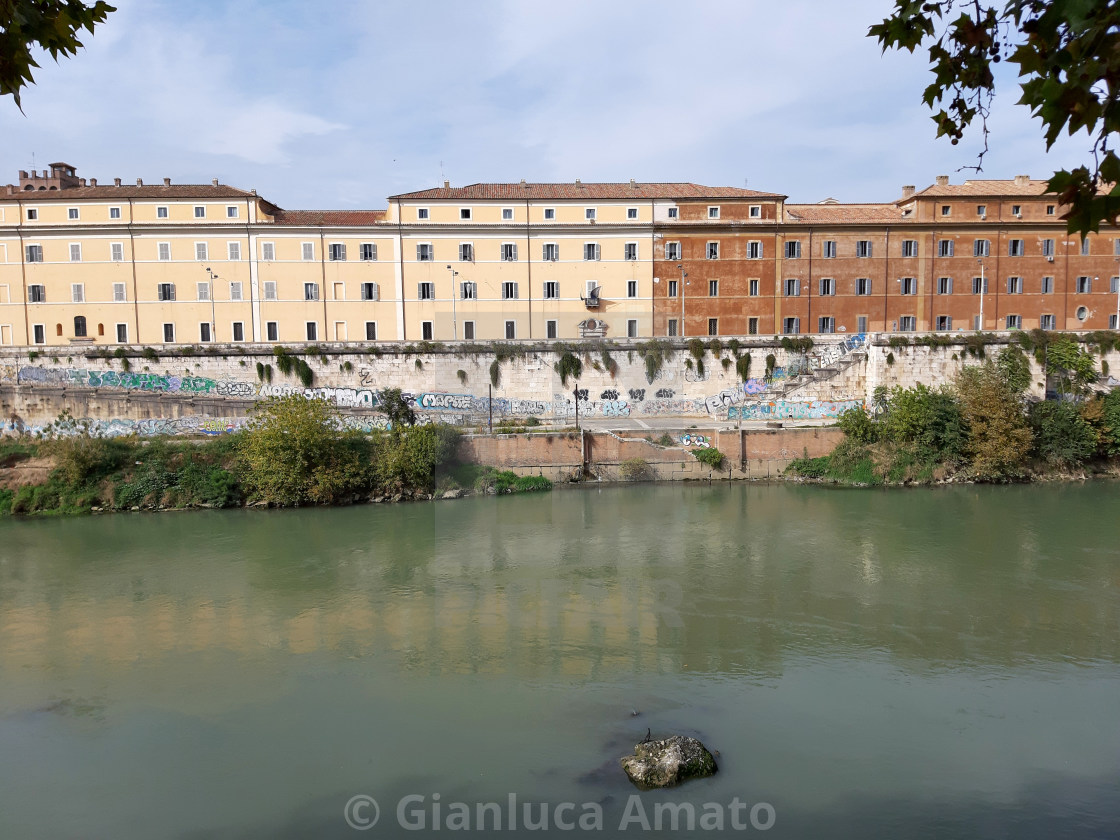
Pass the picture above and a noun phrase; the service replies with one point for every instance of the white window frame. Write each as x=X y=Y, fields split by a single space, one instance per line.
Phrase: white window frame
x=1014 y=285
x=593 y=249
x=122 y=333
x=945 y=248
x=268 y=252
x=163 y=248
x=755 y=250
x=272 y=330
x=713 y=211
x=510 y=290
x=631 y=214
x=1047 y=321
x=551 y=328
x=864 y=249
x=114 y=210
x=828 y=249
x=233 y=327
x=554 y=248
x=77 y=292
x=793 y=249
x=981 y=247
x=1046 y=285
x=310 y=292
x=201 y=252
x=944 y=286
x=163 y=212
x=73 y=214
x=32 y=214
x=630 y=251
x=425 y=252
x=674 y=212
x=549 y=214
x=908 y=286
x=909 y=248
x=754 y=211
x=369 y=291
x=465 y=214
x=425 y=290
x=270 y=290
x=236 y=290
x=423 y=214
x=468 y=290
x=1016 y=247
x=907 y=323
x=673 y=250
x=370 y=337
x=232 y=211
x=336 y=252
x=551 y=290
x=507 y=214
x=168 y=329
x=863 y=286
x=116 y=248
x=120 y=293
x=367 y=252
x=827 y=287
x=75 y=251
x=307 y=251
x=233 y=251
x=203 y=292
x=589 y=214
x=508 y=252
x=466 y=252
x=711 y=249
x=200 y=211
x=631 y=288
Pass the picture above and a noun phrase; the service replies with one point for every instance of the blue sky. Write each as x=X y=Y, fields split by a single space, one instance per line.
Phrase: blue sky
x=341 y=103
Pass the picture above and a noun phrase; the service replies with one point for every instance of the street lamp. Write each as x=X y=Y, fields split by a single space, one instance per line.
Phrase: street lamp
x=1116 y=326
x=980 y=324
x=684 y=274
x=454 y=317
x=213 y=320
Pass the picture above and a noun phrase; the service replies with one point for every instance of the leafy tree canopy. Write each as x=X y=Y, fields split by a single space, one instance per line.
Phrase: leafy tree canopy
x=1068 y=55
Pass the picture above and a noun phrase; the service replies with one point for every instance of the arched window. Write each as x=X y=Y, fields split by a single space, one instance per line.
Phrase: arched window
x=79 y=326
x=58 y=329
x=101 y=329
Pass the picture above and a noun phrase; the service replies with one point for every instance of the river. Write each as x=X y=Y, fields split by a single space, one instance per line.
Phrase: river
x=933 y=663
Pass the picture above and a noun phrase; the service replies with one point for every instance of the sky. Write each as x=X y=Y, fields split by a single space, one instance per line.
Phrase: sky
x=340 y=103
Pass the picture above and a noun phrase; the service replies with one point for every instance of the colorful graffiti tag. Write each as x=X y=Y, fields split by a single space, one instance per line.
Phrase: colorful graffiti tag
x=792 y=409
x=689 y=439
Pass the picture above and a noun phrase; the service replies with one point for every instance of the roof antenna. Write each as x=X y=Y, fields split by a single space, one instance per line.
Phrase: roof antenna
x=442 y=177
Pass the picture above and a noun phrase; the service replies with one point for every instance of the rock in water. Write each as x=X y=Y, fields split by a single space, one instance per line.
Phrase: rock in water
x=668 y=762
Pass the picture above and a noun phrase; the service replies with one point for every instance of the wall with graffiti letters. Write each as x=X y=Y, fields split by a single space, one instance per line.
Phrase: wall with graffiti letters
x=792 y=409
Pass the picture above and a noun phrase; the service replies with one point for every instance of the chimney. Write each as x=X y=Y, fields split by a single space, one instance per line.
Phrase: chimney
x=116 y=182
x=447 y=185
x=253 y=191
x=578 y=184
x=633 y=185
x=1022 y=180
x=942 y=180
x=167 y=182
x=523 y=184
x=214 y=181
x=93 y=182
x=139 y=182
x=82 y=181
x=908 y=190
x=11 y=190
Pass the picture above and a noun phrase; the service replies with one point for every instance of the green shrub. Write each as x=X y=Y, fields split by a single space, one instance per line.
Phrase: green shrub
x=531 y=484
x=809 y=467
x=858 y=426
x=665 y=440
x=496 y=373
x=1062 y=437
x=928 y=418
x=711 y=457
x=635 y=469
x=569 y=367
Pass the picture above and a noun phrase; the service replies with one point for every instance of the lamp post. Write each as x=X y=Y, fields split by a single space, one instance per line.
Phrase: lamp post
x=213 y=320
x=684 y=274
x=983 y=288
x=1116 y=326
x=454 y=317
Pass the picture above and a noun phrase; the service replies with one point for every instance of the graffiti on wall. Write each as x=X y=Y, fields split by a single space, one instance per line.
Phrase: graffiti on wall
x=792 y=409
x=832 y=353
x=689 y=439
x=163 y=426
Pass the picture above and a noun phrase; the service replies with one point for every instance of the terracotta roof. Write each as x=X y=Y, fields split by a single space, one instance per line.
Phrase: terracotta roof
x=844 y=213
x=329 y=218
x=982 y=189
x=582 y=191
x=101 y=191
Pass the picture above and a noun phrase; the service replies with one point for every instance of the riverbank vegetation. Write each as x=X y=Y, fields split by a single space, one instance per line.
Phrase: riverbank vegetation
x=295 y=452
x=982 y=427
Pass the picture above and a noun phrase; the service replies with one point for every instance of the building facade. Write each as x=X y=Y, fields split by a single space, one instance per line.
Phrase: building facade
x=89 y=263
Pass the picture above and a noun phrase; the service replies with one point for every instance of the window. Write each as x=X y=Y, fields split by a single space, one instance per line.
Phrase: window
x=981 y=210
x=310 y=291
x=371 y=331
x=466 y=252
x=204 y=291
x=238 y=331
x=713 y=288
x=752 y=326
x=1014 y=322
x=336 y=252
x=77 y=293
x=465 y=214
x=672 y=327
x=861 y=324
x=1114 y=284
x=591 y=250
x=312 y=331
x=424 y=252
x=550 y=252
x=1014 y=285
x=204 y=333
x=1015 y=248
x=201 y=251
x=631 y=213
x=426 y=332
x=270 y=290
x=231 y=211
x=863 y=285
x=34 y=253
x=166 y=291
x=674 y=212
x=946 y=210
x=828 y=249
x=1116 y=247
x=161 y=213
x=509 y=291
x=37 y=294
x=944 y=285
x=468 y=330
x=672 y=250
x=235 y=290
x=863 y=248
x=793 y=250
x=163 y=250
x=551 y=290
x=752 y=287
x=507 y=214
x=793 y=287
x=1112 y=321
x=945 y=248
x=122 y=333
x=907 y=323
x=468 y=290
x=754 y=250
x=32 y=214
x=630 y=251
x=909 y=247
x=268 y=251
x=116 y=252
x=631 y=328
x=114 y=212
x=75 y=252
x=1046 y=322
x=589 y=214
x=367 y=252
x=944 y=323
x=713 y=250
x=826 y=325
x=1049 y=209
x=422 y=214
x=119 y=293
x=511 y=329
x=631 y=288
x=1084 y=247
x=755 y=211
x=791 y=326
x=307 y=250
x=1082 y=313
x=369 y=291
x=1084 y=285
x=908 y=285
x=272 y=331
x=200 y=212
x=976 y=285
x=713 y=326
x=169 y=333
x=425 y=291
x=79 y=326
x=713 y=212
x=550 y=329
x=827 y=286
x=234 y=249
x=672 y=289
x=72 y=213
x=1017 y=211
x=1048 y=247
x=549 y=214
x=509 y=252
x=1047 y=285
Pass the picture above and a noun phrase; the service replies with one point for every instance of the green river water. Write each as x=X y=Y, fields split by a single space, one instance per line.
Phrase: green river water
x=937 y=663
